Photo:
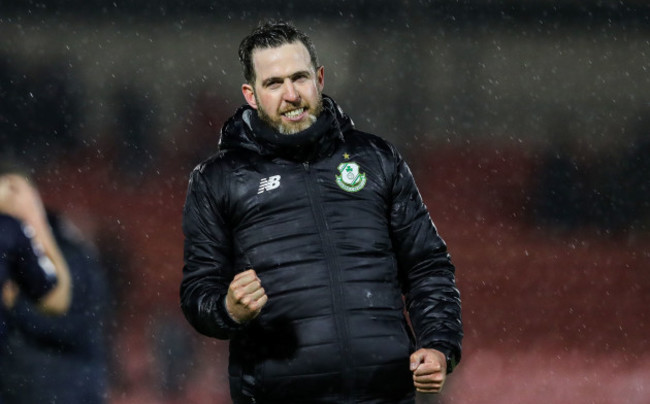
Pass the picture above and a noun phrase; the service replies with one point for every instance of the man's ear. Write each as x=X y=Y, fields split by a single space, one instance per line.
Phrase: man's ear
x=320 y=78
x=249 y=95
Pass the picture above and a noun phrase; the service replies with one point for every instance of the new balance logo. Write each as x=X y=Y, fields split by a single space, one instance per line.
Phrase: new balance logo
x=267 y=184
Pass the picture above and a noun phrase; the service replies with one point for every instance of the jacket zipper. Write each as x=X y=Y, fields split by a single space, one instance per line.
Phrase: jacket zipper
x=335 y=275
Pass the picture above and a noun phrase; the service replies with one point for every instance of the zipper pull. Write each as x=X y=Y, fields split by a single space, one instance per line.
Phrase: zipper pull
x=306 y=165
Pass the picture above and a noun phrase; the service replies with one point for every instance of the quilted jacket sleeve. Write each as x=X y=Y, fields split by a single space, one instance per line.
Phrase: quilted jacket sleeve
x=207 y=270
x=427 y=273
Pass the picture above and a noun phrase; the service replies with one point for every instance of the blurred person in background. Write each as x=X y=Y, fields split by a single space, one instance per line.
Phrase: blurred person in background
x=308 y=246
x=61 y=359
x=31 y=262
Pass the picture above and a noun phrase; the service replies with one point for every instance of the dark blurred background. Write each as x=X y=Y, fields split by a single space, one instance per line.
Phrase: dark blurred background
x=526 y=123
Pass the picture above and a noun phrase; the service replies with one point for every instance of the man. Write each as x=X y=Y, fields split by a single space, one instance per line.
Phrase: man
x=306 y=240
x=31 y=263
x=61 y=358
x=29 y=256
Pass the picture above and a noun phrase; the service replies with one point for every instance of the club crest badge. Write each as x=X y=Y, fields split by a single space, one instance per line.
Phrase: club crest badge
x=351 y=178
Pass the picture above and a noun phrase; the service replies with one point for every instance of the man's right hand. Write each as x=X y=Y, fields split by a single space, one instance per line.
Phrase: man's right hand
x=246 y=297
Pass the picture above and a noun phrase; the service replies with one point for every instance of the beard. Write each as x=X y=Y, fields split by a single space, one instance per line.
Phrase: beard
x=291 y=128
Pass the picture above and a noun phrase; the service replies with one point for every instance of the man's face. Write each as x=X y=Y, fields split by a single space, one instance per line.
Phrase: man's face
x=287 y=89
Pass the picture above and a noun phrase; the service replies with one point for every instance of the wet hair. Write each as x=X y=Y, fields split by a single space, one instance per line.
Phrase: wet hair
x=272 y=34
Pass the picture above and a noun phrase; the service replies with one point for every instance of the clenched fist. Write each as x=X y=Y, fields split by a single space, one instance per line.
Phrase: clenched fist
x=246 y=297
x=429 y=367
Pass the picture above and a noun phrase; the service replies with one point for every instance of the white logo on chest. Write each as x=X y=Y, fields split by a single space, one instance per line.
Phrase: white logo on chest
x=267 y=184
x=351 y=178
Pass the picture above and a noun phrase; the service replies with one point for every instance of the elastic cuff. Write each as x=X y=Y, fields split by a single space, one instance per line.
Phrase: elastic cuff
x=227 y=318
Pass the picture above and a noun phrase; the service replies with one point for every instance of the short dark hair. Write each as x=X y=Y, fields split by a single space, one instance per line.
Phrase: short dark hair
x=272 y=34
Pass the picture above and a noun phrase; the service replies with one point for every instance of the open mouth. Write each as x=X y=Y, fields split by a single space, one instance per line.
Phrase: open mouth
x=293 y=114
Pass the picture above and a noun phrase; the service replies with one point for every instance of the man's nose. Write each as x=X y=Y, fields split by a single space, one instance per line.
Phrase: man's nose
x=290 y=92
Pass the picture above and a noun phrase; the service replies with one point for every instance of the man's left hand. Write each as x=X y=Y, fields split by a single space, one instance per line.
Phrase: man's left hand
x=429 y=367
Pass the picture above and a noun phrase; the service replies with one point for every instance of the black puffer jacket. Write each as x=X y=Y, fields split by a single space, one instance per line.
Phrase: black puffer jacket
x=333 y=224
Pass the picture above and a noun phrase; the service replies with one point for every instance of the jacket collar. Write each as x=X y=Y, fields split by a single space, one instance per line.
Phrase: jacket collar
x=245 y=130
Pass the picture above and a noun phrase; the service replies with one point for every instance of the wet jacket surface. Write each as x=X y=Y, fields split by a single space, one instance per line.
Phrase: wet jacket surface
x=332 y=222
